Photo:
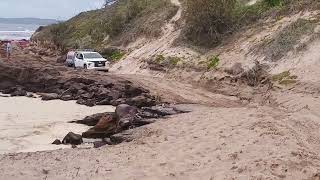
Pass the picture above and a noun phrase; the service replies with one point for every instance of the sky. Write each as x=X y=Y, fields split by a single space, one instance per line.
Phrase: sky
x=52 y=9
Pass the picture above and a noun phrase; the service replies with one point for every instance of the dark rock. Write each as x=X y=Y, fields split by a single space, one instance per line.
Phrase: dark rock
x=142 y=122
x=82 y=80
x=141 y=101
x=8 y=91
x=86 y=95
x=19 y=91
x=108 y=141
x=115 y=95
x=126 y=115
x=131 y=91
x=104 y=102
x=99 y=144
x=158 y=111
x=117 y=102
x=126 y=136
x=57 y=142
x=66 y=98
x=72 y=138
x=88 y=102
x=49 y=96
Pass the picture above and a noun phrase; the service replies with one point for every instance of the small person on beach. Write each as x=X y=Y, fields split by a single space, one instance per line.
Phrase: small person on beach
x=9 y=49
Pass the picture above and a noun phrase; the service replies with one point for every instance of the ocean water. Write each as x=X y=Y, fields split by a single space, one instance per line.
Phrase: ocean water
x=17 y=31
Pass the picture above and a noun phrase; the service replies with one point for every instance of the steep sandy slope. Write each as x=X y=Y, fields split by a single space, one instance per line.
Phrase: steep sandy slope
x=144 y=49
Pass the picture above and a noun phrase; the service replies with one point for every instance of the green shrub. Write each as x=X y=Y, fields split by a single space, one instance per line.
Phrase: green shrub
x=285 y=78
x=208 y=20
x=159 y=58
x=174 y=60
x=273 y=3
x=280 y=76
x=213 y=62
x=117 y=55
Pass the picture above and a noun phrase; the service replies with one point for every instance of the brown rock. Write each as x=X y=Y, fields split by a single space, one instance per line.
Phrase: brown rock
x=93 y=119
x=106 y=126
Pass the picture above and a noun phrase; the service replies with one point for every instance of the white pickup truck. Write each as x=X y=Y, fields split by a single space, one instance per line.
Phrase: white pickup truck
x=87 y=60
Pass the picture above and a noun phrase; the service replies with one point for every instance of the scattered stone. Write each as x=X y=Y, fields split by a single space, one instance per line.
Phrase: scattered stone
x=19 y=91
x=126 y=115
x=88 y=102
x=131 y=91
x=99 y=144
x=104 y=102
x=66 y=97
x=57 y=142
x=118 y=102
x=49 y=96
x=141 y=101
x=72 y=138
x=159 y=111
x=126 y=136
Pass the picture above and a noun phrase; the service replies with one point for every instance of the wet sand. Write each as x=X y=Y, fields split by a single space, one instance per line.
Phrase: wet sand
x=29 y=124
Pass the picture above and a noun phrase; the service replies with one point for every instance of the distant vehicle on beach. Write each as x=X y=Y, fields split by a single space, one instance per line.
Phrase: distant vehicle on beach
x=87 y=60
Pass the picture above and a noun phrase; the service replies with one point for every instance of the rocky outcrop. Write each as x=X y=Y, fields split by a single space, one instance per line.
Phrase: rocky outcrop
x=89 y=90
x=125 y=117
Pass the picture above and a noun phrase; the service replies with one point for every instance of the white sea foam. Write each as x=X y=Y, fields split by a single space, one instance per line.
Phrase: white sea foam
x=16 y=31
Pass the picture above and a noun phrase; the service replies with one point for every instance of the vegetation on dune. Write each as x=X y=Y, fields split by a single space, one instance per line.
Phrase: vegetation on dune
x=284 y=78
x=207 y=21
x=119 y=23
x=213 y=63
x=219 y=18
x=278 y=46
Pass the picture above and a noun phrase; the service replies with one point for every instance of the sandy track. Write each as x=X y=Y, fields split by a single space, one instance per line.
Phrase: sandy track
x=173 y=91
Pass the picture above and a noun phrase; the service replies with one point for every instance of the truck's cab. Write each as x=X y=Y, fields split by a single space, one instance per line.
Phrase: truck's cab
x=90 y=60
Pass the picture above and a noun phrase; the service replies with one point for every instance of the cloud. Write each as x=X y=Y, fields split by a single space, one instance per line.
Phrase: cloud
x=56 y=9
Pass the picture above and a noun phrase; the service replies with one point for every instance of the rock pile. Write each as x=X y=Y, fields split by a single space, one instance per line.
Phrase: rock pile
x=51 y=84
x=114 y=128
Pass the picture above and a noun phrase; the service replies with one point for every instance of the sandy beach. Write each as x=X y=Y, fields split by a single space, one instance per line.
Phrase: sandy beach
x=29 y=124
